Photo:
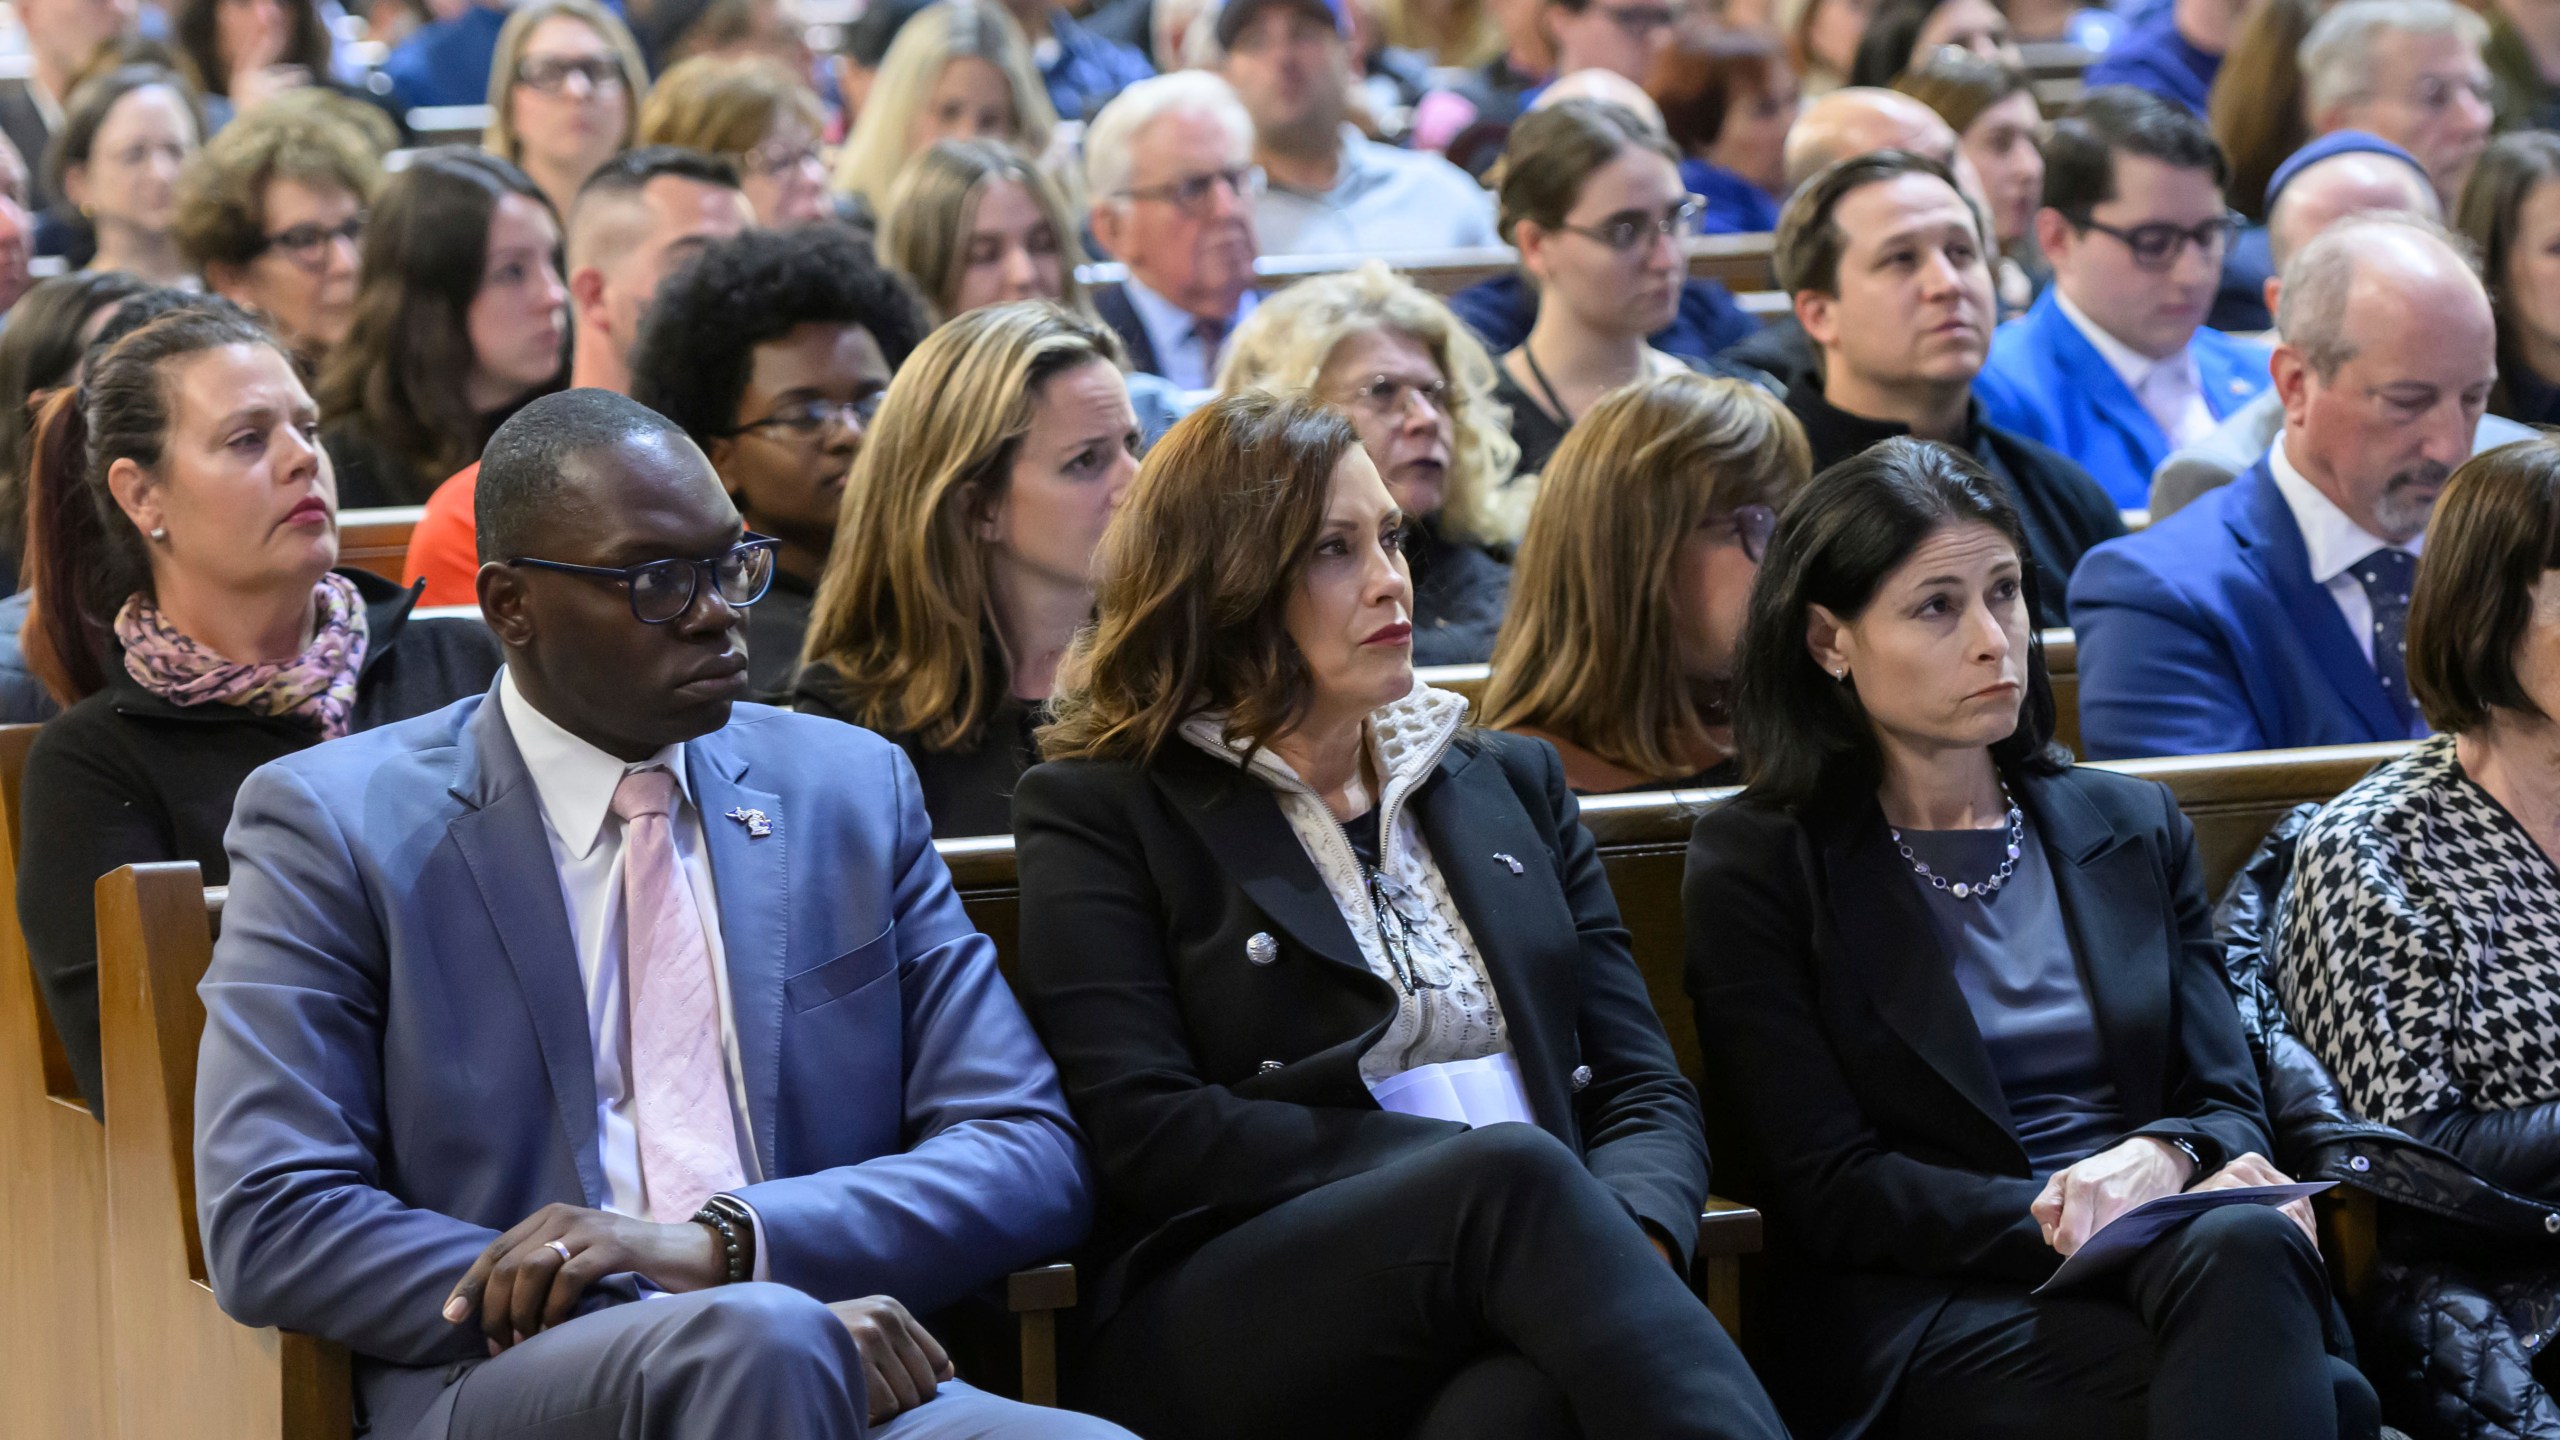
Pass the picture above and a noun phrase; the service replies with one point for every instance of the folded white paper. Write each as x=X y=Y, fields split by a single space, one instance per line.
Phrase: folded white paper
x=2122 y=1238
x=1485 y=1091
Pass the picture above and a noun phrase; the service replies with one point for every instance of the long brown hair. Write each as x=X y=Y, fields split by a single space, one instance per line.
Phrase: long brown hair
x=904 y=615
x=1198 y=567
x=2256 y=104
x=84 y=558
x=1590 y=650
x=2491 y=212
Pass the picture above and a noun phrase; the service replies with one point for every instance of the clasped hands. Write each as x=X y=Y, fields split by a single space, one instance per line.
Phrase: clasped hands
x=521 y=1285
x=2079 y=1202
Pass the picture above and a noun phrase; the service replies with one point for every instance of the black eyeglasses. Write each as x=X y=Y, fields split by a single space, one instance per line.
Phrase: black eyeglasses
x=810 y=419
x=1752 y=526
x=307 y=244
x=662 y=590
x=2157 y=247
x=1623 y=233
x=1191 y=193
x=550 y=73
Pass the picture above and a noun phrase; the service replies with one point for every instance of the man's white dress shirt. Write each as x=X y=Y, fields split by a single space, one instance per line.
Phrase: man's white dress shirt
x=2171 y=391
x=2336 y=542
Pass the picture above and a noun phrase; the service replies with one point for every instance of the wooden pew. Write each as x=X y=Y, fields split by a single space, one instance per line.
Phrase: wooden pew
x=2062 y=665
x=182 y=1366
x=378 y=540
x=54 y=1368
x=1741 y=262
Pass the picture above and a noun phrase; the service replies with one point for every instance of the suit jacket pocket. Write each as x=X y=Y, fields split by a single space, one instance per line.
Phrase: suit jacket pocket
x=823 y=984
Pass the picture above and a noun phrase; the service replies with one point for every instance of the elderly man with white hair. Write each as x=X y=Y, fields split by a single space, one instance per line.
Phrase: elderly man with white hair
x=2271 y=613
x=2409 y=71
x=2339 y=175
x=1169 y=164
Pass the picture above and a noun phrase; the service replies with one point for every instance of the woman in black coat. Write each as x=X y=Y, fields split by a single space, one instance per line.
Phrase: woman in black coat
x=183 y=525
x=1964 y=1003
x=1300 y=944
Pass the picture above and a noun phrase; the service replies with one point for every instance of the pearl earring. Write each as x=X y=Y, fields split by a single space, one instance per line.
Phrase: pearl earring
x=160 y=535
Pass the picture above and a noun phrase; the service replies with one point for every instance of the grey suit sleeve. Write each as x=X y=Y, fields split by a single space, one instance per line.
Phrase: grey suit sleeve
x=994 y=1176
x=290 y=1113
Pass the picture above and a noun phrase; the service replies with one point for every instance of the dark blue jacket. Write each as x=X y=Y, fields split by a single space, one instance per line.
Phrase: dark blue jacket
x=2155 y=57
x=2205 y=634
x=1502 y=309
x=447 y=63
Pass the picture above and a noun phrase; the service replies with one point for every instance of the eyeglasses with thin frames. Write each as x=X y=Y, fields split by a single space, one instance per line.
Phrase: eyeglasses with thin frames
x=307 y=244
x=2157 y=246
x=1191 y=193
x=811 y=419
x=1631 y=231
x=1752 y=527
x=1392 y=395
x=663 y=590
x=550 y=73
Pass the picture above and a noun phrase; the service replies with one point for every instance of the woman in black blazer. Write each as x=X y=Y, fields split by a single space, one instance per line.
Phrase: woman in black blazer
x=1963 y=1003
x=1270 y=888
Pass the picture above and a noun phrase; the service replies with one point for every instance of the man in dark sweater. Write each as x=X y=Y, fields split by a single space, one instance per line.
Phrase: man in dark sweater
x=1891 y=278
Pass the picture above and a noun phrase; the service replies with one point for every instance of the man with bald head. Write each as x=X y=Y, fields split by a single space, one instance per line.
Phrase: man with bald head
x=2335 y=176
x=602 y=1056
x=2269 y=614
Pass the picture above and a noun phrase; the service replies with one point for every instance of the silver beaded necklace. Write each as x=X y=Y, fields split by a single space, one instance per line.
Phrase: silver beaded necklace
x=1964 y=890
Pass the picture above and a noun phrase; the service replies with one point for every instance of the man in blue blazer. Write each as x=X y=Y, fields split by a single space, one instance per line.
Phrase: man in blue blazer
x=2271 y=612
x=2112 y=366
x=601 y=1058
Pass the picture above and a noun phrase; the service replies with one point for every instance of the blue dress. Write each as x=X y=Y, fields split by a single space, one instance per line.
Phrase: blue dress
x=1735 y=206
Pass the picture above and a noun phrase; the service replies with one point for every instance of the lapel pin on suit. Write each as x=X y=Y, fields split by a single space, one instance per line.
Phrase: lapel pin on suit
x=1507 y=860
x=1262 y=949
x=757 y=825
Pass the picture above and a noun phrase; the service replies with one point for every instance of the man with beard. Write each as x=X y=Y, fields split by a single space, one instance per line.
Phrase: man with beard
x=2270 y=613
x=1169 y=163
x=1887 y=267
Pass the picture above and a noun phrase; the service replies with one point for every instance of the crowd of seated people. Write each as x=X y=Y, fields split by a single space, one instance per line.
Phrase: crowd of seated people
x=1077 y=428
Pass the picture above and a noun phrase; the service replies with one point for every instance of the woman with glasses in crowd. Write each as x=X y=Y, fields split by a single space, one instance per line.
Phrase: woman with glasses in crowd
x=273 y=213
x=1964 y=1005
x=964 y=565
x=564 y=93
x=959 y=70
x=757 y=115
x=461 y=317
x=1628 y=596
x=126 y=135
x=184 y=523
x=1419 y=389
x=1390 y=1142
x=1591 y=197
x=773 y=350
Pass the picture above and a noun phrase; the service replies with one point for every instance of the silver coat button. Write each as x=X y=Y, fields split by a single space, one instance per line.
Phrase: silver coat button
x=2551 y=1223
x=1581 y=1077
x=2359 y=1164
x=1270 y=1065
x=1262 y=949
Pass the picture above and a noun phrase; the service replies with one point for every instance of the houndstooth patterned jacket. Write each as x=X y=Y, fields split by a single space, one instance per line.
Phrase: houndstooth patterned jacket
x=2419 y=945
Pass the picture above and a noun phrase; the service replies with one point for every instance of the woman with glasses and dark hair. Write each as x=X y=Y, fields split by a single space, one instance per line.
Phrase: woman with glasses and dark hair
x=273 y=213
x=1390 y=1141
x=758 y=116
x=184 y=525
x=774 y=350
x=1628 y=597
x=1591 y=196
x=1964 y=1006
x=1419 y=389
x=461 y=317
x=565 y=88
x=126 y=136
x=964 y=565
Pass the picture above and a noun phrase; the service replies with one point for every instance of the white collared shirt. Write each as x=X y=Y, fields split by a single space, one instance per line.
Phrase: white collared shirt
x=1173 y=332
x=2170 y=391
x=575 y=781
x=2335 y=543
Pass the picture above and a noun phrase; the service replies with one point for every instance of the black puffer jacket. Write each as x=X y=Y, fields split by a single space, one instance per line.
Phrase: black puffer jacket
x=2466 y=1291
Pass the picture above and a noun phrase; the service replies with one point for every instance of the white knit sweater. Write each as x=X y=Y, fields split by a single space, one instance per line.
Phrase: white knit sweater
x=1463 y=1020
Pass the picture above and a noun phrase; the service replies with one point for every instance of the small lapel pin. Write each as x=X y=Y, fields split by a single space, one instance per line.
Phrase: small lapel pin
x=1262 y=949
x=1507 y=860
x=757 y=825
x=2239 y=387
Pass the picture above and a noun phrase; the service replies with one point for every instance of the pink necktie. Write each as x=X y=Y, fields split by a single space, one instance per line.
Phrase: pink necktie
x=679 y=1079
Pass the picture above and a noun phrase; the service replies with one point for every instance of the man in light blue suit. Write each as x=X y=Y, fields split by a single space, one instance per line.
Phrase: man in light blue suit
x=2112 y=366
x=2271 y=612
x=602 y=1058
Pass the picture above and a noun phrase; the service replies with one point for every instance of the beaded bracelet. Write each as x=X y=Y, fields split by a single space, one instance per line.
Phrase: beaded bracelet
x=735 y=1234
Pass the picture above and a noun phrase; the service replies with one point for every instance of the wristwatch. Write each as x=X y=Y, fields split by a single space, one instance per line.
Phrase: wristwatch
x=2183 y=1146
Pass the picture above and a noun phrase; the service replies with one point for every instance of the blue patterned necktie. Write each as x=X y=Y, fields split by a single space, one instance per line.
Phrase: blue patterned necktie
x=2387 y=576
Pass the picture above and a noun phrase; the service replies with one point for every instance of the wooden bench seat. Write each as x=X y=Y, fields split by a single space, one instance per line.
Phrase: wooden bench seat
x=378 y=540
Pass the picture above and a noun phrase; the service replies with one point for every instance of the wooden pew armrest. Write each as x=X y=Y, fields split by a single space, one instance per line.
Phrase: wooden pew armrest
x=1037 y=1295
x=1727 y=1229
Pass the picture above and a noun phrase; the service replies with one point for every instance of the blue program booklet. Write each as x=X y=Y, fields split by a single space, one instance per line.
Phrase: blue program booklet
x=2122 y=1238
